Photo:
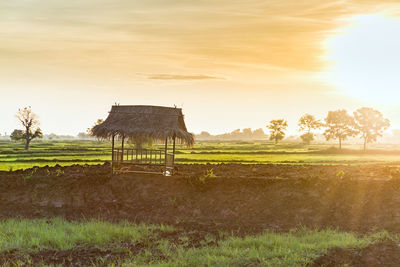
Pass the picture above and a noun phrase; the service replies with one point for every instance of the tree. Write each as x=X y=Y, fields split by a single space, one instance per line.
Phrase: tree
x=17 y=135
x=340 y=125
x=235 y=132
x=30 y=122
x=308 y=123
x=204 y=136
x=52 y=136
x=307 y=138
x=247 y=134
x=141 y=142
x=370 y=123
x=90 y=130
x=83 y=135
x=277 y=130
x=259 y=134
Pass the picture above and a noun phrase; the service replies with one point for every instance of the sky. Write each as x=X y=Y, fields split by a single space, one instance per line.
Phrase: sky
x=229 y=64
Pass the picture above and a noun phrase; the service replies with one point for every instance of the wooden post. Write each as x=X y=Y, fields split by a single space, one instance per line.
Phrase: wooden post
x=166 y=150
x=122 y=149
x=173 y=152
x=112 y=153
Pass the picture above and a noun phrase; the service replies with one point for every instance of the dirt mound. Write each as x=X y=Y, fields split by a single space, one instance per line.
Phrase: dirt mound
x=384 y=253
x=246 y=197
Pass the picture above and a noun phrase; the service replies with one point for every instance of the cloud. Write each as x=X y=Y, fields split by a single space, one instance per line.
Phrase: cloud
x=269 y=50
x=183 y=77
x=124 y=36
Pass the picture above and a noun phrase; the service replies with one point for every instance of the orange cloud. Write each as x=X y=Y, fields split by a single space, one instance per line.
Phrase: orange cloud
x=124 y=36
x=182 y=77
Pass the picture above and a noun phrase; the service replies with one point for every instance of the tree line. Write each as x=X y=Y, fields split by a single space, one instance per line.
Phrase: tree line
x=236 y=135
x=367 y=123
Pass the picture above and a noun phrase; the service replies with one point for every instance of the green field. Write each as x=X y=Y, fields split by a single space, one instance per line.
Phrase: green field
x=130 y=244
x=13 y=156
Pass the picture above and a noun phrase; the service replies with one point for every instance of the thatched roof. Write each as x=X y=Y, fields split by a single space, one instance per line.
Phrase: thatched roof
x=138 y=122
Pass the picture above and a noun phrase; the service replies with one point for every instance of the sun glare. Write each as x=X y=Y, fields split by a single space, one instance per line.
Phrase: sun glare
x=366 y=59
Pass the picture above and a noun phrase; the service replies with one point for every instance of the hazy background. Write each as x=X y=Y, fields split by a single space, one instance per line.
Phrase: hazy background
x=229 y=64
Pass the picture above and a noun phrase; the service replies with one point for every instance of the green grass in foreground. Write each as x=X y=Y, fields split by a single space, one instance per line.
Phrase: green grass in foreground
x=60 y=234
x=296 y=248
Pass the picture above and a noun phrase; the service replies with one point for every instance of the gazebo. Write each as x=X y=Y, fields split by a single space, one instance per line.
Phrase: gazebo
x=138 y=123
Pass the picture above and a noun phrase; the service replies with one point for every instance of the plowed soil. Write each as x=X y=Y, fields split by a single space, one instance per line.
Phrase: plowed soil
x=385 y=253
x=246 y=197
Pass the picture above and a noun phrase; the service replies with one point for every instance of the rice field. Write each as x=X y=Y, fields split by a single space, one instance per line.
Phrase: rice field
x=13 y=156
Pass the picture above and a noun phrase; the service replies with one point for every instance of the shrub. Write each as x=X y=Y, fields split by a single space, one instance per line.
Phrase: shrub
x=208 y=175
x=340 y=174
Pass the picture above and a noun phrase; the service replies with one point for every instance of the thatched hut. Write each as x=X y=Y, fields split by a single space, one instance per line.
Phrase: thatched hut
x=143 y=123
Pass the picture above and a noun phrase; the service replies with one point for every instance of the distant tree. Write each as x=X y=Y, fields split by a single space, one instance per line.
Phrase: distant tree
x=83 y=135
x=247 y=133
x=308 y=123
x=205 y=134
x=17 y=135
x=30 y=122
x=340 y=125
x=90 y=130
x=52 y=136
x=259 y=134
x=237 y=131
x=142 y=142
x=370 y=123
x=277 y=130
x=307 y=138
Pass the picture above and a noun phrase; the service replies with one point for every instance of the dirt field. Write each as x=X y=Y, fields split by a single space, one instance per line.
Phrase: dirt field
x=383 y=253
x=246 y=199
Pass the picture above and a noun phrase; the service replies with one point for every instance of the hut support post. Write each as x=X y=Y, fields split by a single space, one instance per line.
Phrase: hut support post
x=166 y=150
x=173 y=151
x=122 y=148
x=112 y=152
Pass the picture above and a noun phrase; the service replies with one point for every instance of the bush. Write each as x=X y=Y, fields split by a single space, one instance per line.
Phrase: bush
x=208 y=175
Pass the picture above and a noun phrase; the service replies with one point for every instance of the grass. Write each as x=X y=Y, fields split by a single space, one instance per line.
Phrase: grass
x=59 y=234
x=13 y=156
x=288 y=158
x=296 y=248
